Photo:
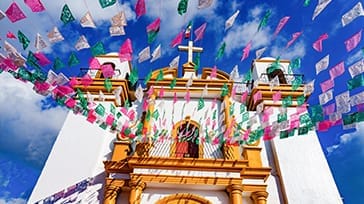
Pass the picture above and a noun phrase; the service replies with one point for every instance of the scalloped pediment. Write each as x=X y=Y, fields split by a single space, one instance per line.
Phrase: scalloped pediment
x=206 y=72
x=168 y=73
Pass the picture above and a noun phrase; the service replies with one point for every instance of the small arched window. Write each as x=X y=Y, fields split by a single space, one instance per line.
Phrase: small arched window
x=100 y=74
x=131 y=87
x=273 y=72
x=187 y=145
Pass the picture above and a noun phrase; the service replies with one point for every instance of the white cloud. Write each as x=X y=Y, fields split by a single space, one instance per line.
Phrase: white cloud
x=172 y=22
x=334 y=28
x=79 y=8
x=332 y=148
x=346 y=138
x=236 y=4
x=4 y=182
x=298 y=49
x=256 y=12
x=12 y=201
x=240 y=35
x=354 y=58
x=27 y=130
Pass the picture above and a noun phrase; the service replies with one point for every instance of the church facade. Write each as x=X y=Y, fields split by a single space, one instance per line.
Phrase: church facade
x=189 y=138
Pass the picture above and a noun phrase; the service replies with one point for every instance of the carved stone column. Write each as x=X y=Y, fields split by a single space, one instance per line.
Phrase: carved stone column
x=112 y=190
x=235 y=193
x=148 y=123
x=142 y=148
x=230 y=151
x=259 y=197
x=136 y=190
x=227 y=111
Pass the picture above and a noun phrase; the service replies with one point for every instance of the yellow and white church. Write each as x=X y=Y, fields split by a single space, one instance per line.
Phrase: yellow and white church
x=187 y=152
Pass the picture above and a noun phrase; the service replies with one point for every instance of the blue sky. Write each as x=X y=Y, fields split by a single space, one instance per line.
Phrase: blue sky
x=23 y=152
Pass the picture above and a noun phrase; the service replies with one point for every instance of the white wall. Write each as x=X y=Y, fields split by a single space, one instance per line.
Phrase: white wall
x=77 y=154
x=273 y=180
x=305 y=173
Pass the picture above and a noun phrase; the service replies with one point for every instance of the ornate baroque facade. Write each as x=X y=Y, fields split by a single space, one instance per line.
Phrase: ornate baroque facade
x=191 y=148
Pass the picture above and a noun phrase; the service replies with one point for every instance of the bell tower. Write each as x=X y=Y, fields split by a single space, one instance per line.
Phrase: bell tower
x=289 y=144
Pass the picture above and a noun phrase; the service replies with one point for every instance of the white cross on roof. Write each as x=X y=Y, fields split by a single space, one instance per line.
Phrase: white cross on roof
x=190 y=49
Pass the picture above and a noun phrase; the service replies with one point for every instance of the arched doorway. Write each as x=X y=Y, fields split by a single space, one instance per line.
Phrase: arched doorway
x=186 y=140
x=183 y=198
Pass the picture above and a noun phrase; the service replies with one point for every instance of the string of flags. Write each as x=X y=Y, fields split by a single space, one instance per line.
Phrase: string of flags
x=119 y=21
x=73 y=193
x=63 y=96
x=344 y=102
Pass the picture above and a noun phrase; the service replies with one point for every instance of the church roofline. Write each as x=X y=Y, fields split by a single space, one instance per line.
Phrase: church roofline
x=181 y=82
x=206 y=72
x=270 y=59
x=109 y=55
